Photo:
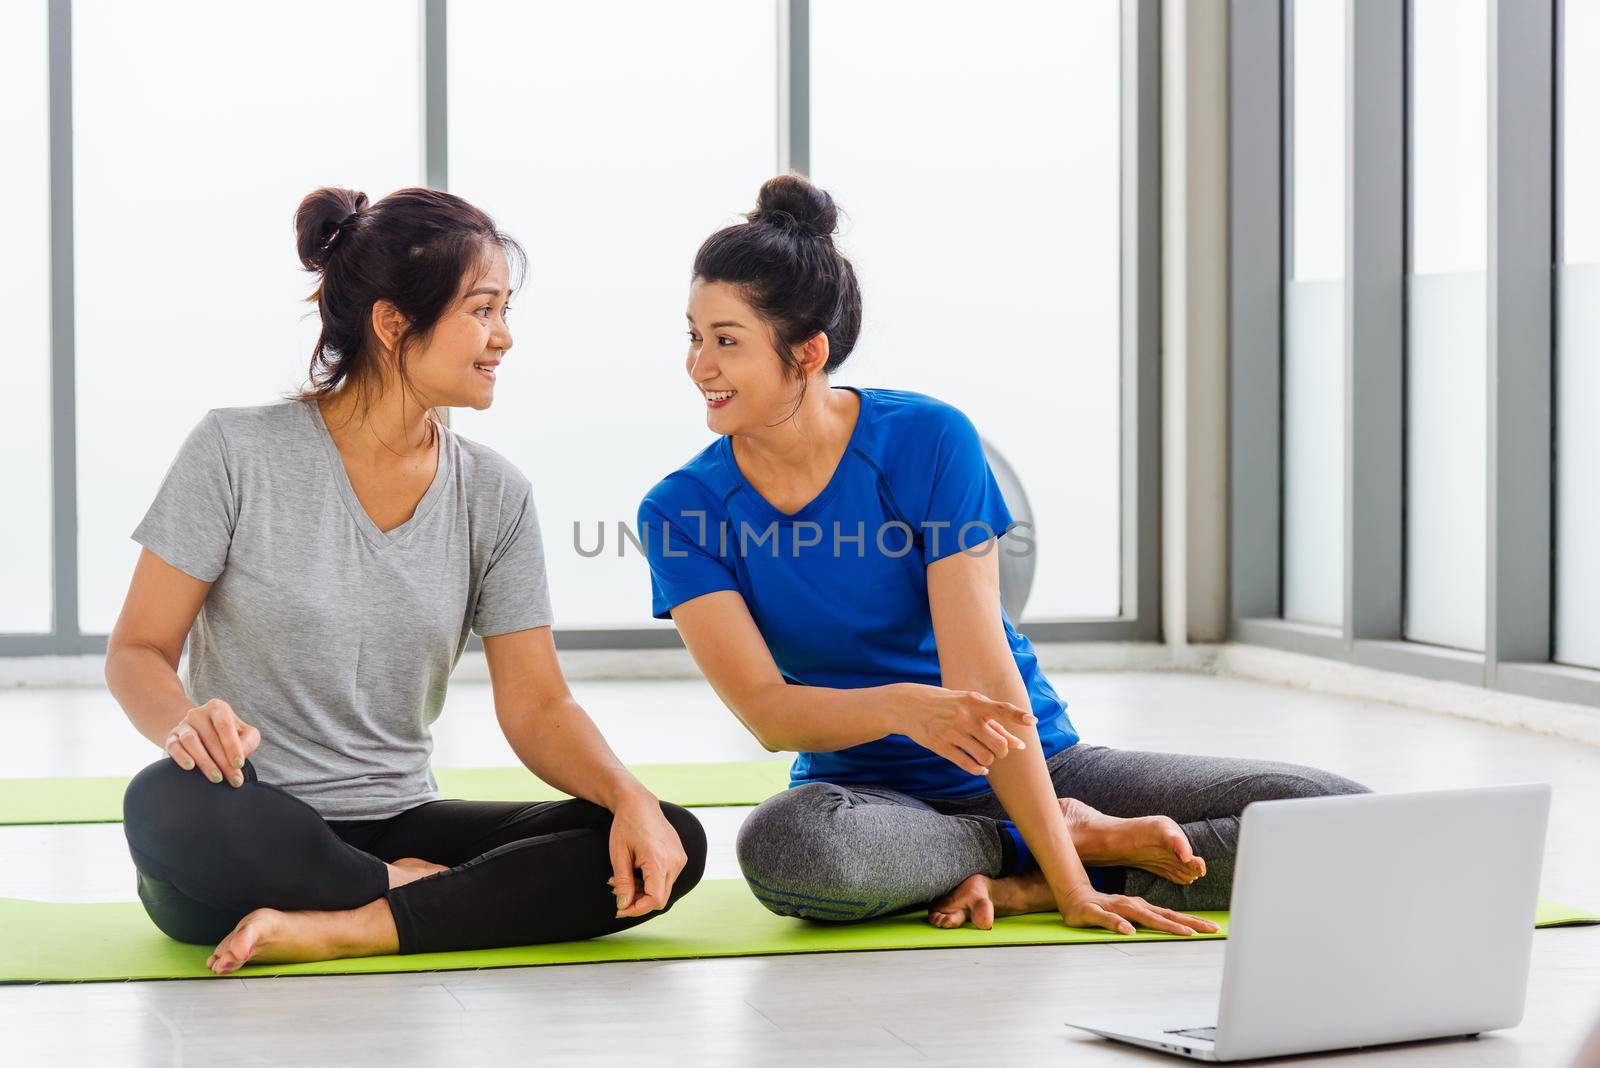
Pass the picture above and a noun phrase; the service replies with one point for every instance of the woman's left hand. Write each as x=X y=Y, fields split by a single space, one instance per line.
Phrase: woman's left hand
x=642 y=839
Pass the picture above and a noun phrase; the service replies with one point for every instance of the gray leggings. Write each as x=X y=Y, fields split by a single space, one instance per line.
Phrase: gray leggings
x=829 y=852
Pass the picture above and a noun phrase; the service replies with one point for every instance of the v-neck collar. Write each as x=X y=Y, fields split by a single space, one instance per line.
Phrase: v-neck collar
x=828 y=490
x=380 y=539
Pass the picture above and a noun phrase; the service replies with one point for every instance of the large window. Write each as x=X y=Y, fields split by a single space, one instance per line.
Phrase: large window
x=986 y=233
x=1471 y=336
x=1446 y=330
x=198 y=128
x=1577 y=371
x=25 y=561
x=1313 y=314
x=611 y=174
x=994 y=286
x=998 y=174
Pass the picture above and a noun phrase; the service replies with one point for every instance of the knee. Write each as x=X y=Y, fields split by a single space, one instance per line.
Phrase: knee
x=164 y=803
x=153 y=798
x=784 y=832
x=1303 y=782
x=797 y=861
x=693 y=837
x=1338 y=784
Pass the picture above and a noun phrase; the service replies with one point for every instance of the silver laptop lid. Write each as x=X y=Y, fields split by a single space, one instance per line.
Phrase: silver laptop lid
x=1429 y=935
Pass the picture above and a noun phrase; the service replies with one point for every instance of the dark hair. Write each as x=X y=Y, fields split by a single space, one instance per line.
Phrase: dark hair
x=413 y=248
x=784 y=263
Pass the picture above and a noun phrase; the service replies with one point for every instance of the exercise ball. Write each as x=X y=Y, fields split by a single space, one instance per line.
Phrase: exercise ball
x=1016 y=565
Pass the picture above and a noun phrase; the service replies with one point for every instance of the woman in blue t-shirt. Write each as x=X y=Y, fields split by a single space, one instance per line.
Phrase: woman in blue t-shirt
x=831 y=562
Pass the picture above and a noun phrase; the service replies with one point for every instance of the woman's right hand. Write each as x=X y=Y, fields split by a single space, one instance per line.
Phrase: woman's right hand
x=966 y=728
x=1084 y=906
x=213 y=738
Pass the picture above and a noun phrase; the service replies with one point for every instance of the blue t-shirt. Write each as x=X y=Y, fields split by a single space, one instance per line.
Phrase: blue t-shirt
x=839 y=589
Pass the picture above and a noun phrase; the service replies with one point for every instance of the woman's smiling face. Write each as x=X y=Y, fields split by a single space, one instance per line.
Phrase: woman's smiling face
x=733 y=362
x=455 y=366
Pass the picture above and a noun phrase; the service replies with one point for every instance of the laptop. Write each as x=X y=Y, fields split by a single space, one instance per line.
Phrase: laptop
x=1365 y=919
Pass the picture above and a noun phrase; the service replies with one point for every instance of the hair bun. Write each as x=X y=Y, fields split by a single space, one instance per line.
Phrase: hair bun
x=318 y=220
x=790 y=202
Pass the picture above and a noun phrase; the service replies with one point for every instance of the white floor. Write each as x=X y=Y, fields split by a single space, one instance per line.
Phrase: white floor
x=930 y=1006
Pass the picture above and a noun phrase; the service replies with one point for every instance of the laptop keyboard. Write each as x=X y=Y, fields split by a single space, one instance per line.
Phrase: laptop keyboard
x=1207 y=1034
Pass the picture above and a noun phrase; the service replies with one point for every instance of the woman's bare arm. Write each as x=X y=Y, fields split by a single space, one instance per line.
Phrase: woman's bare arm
x=555 y=738
x=141 y=672
x=549 y=731
x=144 y=648
x=964 y=596
x=729 y=650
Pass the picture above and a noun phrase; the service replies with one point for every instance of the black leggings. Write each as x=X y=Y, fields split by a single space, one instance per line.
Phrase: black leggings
x=208 y=853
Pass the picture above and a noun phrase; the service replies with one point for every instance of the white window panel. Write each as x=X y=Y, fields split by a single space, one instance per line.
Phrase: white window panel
x=198 y=129
x=978 y=162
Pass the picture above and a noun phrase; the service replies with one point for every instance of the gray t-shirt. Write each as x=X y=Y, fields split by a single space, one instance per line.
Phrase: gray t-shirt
x=337 y=639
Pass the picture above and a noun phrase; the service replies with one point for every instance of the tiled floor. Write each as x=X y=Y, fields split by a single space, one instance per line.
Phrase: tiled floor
x=941 y=1006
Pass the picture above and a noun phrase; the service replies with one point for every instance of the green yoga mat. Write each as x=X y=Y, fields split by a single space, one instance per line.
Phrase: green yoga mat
x=98 y=799
x=46 y=942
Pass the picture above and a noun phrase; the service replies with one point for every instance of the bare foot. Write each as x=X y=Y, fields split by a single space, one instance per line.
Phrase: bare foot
x=268 y=936
x=1154 y=844
x=410 y=869
x=980 y=899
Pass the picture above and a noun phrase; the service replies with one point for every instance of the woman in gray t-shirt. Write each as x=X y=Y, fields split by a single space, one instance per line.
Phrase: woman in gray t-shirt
x=326 y=558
